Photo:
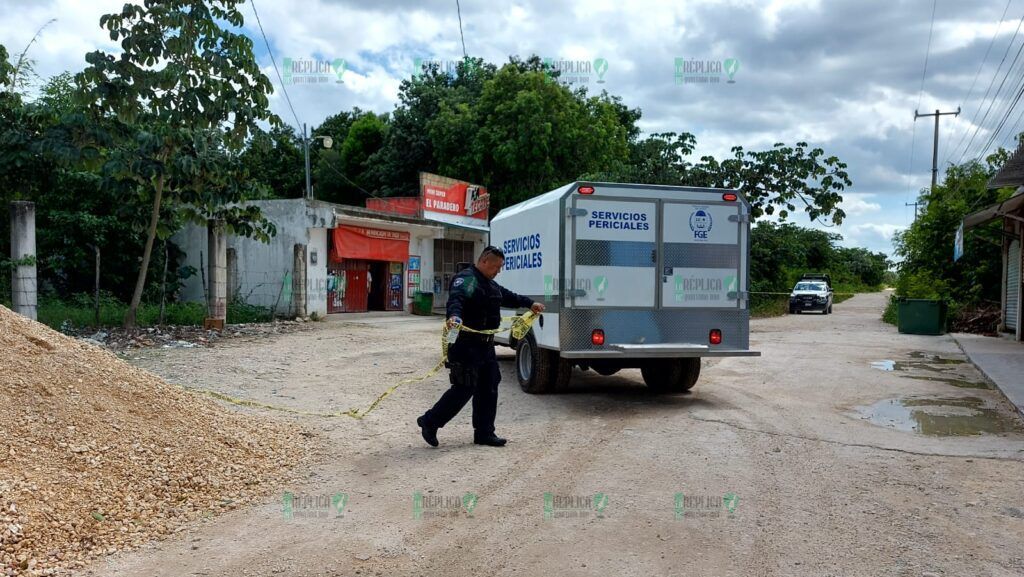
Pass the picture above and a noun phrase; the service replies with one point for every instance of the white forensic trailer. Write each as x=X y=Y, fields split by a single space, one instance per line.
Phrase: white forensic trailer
x=633 y=276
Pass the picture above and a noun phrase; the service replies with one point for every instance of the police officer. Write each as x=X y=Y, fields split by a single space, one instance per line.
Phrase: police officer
x=475 y=301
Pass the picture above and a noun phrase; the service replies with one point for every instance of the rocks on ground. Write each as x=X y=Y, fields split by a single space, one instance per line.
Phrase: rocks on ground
x=97 y=456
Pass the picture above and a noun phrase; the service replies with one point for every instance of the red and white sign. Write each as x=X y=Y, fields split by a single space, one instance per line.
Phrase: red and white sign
x=454 y=201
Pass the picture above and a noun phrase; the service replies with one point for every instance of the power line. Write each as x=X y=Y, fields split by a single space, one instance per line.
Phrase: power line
x=970 y=91
x=920 y=92
x=977 y=125
x=459 y=9
x=995 y=96
x=273 y=61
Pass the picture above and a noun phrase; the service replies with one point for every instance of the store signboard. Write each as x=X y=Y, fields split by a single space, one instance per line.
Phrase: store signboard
x=454 y=201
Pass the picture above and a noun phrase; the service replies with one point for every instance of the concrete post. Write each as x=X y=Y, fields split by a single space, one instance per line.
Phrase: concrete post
x=217 y=307
x=233 y=286
x=23 y=252
x=299 y=280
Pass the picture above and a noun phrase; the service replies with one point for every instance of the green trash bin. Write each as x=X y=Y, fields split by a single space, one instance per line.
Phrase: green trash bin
x=423 y=303
x=921 y=316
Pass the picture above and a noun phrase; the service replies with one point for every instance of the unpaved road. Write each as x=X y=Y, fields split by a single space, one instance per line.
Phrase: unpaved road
x=820 y=490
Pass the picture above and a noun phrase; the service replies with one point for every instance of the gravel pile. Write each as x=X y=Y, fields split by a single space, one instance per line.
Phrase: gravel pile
x=97 y=456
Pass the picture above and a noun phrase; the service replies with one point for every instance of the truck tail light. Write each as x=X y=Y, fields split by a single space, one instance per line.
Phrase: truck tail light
x=597 y=337
x=729 y=196
x=585 y=190
x=715 y=337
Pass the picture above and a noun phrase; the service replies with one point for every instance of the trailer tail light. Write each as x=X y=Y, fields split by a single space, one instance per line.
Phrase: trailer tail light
x=585 y=190
x=729 y=196
x=715 y=337
x=597 y=337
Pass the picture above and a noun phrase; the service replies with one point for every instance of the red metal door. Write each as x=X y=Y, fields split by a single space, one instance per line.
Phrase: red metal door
x=357 y=291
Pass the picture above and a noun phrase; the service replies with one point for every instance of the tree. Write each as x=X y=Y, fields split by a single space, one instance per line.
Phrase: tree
x=344 y=172
x=274 y=159
x=927 y=269
x=180 y=75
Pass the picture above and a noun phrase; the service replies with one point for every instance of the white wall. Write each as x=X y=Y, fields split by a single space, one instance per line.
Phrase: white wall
x=265 y=269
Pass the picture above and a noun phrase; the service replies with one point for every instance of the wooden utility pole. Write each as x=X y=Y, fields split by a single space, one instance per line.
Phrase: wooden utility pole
x=935 y=146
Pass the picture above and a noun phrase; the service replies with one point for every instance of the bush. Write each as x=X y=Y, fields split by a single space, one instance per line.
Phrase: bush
x=79 y=312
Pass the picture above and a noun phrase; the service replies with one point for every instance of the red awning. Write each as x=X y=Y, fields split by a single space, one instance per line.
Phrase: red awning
x=357 y=242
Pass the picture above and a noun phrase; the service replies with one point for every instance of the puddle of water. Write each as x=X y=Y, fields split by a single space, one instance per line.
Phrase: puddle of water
x=961 y=383
x=938 y=417
x=935 y=359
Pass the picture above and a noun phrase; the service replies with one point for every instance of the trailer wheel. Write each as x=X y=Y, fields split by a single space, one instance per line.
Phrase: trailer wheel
x=671 y=375
x=540 y=370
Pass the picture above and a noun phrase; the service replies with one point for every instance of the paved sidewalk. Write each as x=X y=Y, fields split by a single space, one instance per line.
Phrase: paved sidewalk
x=1002 y=361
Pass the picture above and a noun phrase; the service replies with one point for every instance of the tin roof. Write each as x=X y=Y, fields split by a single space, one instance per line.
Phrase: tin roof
x=1012 y=173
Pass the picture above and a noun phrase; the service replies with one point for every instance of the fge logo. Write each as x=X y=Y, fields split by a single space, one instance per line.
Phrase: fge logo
x=700 y=224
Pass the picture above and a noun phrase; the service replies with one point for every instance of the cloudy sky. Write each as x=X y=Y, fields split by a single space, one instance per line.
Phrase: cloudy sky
x=844 y=75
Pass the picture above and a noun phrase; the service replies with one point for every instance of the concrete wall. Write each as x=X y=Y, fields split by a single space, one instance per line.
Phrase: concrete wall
x=264 y=276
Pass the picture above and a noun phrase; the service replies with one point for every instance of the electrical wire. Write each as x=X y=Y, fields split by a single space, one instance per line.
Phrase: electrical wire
x=298 y=123
x=920 y=92
x=963 y=135
x=459 y=9
x=977 y=125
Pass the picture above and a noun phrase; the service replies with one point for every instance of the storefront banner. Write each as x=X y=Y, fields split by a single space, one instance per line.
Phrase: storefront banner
x=357 y=242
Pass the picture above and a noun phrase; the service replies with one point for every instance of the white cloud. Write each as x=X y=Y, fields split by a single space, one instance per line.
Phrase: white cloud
x=857 y=204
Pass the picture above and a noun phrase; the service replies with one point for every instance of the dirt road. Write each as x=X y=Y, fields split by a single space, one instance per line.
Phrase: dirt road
x=819 y=464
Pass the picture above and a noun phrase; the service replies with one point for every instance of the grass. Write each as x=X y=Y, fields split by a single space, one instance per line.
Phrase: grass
x=79 y=312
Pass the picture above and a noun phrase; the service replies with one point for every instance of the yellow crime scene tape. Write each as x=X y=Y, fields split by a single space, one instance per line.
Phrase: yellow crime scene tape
x=518 y=325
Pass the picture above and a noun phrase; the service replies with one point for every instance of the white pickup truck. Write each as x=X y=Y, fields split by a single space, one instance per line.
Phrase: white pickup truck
x=633 y=276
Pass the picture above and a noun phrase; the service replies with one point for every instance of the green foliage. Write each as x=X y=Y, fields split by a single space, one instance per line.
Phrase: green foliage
x=181 y=99
x=926 y=247
x=79 y=312
x=781 y=253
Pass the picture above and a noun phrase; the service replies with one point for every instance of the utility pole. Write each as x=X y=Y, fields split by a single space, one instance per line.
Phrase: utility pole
x=305 y=144
x=914 y=204
x=935 y=146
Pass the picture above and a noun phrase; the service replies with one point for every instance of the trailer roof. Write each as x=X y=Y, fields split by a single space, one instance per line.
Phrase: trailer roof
x=555 y=196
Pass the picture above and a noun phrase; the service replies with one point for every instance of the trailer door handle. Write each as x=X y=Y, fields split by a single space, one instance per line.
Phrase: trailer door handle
x=654 y=256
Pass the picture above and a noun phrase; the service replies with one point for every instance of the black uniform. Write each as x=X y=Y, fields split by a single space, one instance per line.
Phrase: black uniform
x=477 y=300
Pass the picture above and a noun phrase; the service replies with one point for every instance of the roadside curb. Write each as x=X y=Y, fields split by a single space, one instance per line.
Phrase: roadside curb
x=1001 y=361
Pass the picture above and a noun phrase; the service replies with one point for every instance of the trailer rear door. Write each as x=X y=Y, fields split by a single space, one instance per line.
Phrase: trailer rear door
x=702 y=262
x=615 y=246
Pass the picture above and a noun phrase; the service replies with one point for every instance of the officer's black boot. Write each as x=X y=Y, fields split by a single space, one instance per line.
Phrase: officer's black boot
x=428 y=431
x=491 y=440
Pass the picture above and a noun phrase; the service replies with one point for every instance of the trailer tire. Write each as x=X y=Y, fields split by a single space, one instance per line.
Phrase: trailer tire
x=538 y=370
x=671 y=375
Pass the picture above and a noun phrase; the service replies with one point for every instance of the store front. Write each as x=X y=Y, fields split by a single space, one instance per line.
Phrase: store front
x=366 y=269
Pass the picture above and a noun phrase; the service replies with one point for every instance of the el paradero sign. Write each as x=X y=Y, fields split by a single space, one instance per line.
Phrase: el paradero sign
x=454 y=201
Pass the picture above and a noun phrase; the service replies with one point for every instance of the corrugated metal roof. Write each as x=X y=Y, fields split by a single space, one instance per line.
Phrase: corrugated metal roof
x=1012 y=173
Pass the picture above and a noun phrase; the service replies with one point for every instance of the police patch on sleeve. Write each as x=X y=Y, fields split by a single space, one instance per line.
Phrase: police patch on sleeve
x=458 y=282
